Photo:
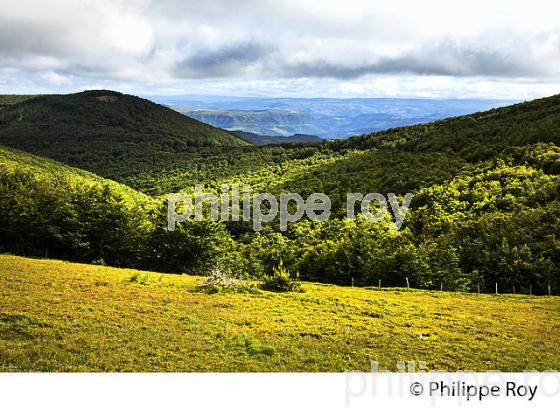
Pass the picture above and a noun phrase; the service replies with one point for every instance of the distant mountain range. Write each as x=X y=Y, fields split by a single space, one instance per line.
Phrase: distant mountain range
x=324 y=117
x=275 y=139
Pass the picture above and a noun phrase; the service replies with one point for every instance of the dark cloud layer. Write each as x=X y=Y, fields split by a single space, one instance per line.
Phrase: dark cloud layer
x=443 y=60
x=222 y=62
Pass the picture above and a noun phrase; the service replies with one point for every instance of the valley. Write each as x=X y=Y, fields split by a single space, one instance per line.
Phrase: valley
x=92 y=279
x=485 y=189
x=328 y=118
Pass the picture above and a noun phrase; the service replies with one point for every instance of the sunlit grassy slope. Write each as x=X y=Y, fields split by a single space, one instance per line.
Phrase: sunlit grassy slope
x=58 y=316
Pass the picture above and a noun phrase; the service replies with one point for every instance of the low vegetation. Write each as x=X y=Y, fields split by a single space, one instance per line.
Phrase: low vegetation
x=219 y=281
x=60 y=316
x=281 y=281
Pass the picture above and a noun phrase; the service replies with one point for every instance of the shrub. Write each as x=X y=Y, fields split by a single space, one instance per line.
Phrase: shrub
x=219 y=281
x=281 y=281
x=254 y=346
x=138 y=277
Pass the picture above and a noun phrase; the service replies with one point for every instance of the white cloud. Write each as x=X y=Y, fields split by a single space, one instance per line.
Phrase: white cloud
x=312 y=47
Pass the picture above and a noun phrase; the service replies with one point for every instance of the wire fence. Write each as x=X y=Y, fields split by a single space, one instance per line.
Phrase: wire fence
x=546 y=290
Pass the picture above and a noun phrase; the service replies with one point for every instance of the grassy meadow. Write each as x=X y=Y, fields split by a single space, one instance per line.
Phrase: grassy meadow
x=60 y=316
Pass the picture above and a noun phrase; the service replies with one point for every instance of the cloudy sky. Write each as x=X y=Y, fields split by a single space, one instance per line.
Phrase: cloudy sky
x=351 y=48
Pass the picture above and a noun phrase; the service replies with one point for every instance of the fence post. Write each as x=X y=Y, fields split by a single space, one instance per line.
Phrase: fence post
x=441 y=286
x=407 y=283
x=549 y=292
x=379 y=284
x=478 y=287
x=514 y=290
x=496 y=288
x=352 y=282
x=531 y=289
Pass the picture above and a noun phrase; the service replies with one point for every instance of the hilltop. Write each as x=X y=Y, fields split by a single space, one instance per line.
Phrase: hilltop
x=106 y=132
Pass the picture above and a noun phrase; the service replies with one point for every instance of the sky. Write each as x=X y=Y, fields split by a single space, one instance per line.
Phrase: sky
x=284 y=48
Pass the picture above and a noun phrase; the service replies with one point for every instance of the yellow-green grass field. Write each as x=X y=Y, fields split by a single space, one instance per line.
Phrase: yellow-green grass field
x=59 y=316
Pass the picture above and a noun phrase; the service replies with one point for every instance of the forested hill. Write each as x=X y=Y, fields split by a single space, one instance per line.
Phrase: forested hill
x=157 y=150
x=11 y=99
x=476 y=136
x=95 y=130
x=51 y=209
x=486 y=206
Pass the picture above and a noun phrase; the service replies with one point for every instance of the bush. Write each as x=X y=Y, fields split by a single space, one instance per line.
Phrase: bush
x=281 y=281
x=138 y=277
x=254 y=346
x=218 y=281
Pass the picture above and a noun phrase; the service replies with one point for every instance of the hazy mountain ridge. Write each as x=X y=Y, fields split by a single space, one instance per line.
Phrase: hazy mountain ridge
x=324 y=117
x=271 y=139
x=273 y=122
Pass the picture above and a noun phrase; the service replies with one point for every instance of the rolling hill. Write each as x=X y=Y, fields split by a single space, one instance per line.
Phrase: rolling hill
x=485 y=209
x=409 y=158
x=143 y=155
x=48 y=208
x=15 y=162
x=491 y=131
x=99 y=130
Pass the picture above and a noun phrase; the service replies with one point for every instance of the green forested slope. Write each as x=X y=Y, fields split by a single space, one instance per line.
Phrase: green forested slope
x=111 y=134
x=486 y=206
x=474 y=136
x=47 y=208
x=410 y=157
x=50 y=209
x=11 y=99
x=141 y=144
x=396 y=160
